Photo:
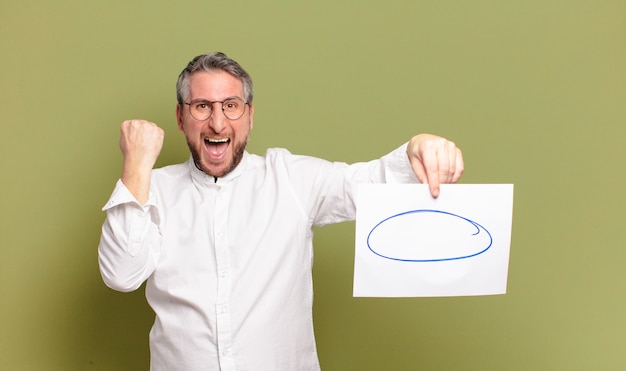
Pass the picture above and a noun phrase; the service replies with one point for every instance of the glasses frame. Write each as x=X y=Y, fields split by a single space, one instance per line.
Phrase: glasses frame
x=211 y=102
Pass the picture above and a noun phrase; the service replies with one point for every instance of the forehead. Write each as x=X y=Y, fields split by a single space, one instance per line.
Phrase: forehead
x=214 y=85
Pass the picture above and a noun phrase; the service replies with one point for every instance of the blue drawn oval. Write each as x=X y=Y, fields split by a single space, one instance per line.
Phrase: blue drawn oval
x=475 y=226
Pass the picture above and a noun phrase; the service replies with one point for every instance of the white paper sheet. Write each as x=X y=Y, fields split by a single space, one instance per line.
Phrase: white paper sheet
x=409 y=244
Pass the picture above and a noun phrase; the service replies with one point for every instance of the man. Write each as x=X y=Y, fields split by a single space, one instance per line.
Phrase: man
x=225 y=239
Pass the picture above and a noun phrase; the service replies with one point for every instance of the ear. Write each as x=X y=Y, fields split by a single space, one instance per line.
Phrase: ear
x=179 y=116
x=251 y=116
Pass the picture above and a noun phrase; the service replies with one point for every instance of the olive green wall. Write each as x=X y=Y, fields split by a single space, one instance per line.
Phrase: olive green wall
x=533 y=91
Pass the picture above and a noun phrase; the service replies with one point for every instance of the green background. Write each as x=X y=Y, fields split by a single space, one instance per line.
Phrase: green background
x=534 y=92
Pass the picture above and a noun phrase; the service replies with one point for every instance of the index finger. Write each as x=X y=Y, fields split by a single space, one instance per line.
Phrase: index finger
x=432 y=168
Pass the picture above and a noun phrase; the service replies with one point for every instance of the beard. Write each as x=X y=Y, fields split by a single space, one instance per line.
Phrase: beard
x=238 y=152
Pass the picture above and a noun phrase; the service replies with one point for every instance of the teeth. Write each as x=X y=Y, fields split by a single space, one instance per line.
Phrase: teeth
x=216 y=140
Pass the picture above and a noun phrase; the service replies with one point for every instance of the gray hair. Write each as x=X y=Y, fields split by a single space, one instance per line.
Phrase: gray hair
x=213 y=62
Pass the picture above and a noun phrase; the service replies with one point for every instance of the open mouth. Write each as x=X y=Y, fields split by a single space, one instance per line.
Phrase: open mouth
x=216 y=147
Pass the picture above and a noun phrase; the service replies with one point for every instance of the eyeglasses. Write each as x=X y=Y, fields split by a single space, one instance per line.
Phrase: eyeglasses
x=202 y=109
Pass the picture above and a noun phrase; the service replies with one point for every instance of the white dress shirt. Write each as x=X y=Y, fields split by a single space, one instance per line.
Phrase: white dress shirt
x=228 y=262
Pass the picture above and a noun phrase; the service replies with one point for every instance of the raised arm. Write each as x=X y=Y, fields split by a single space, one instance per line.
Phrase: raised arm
x=130 y=234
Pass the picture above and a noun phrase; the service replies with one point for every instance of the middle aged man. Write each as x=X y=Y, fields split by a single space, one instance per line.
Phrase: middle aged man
x=224 y=240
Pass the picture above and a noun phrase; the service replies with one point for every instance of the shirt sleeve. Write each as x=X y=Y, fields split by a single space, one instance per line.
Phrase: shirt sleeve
x=396 y=167
x=327 y=189
x=130 y=240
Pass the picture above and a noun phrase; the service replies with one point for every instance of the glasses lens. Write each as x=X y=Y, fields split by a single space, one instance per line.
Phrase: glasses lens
x=200 y=110
x=233 y=108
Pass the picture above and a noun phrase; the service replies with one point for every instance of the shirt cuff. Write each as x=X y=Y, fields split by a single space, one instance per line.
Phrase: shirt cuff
x=121 y=195
x=398 y=167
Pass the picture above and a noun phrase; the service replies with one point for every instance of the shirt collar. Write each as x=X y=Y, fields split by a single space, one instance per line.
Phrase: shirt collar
x=200 y=177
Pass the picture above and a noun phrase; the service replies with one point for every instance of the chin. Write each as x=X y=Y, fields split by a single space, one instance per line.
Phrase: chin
x=218 y=171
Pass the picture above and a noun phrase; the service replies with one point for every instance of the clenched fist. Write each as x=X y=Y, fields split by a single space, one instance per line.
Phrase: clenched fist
x=141 y=142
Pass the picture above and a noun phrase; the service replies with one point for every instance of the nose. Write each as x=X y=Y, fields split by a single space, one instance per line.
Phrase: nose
x=217 y=121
